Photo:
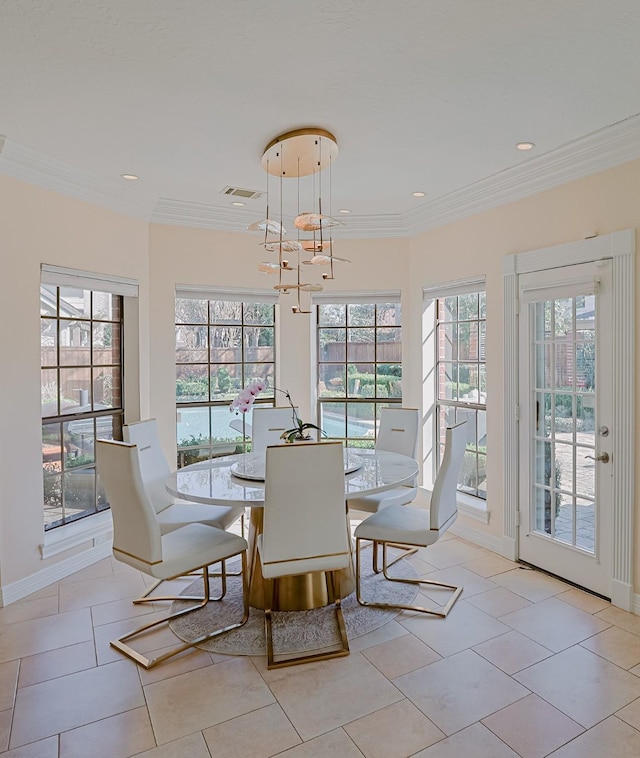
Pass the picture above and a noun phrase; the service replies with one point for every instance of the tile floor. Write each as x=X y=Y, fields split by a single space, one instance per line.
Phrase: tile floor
x=524 y=665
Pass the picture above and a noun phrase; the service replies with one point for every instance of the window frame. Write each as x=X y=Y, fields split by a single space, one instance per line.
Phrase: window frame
x=431 y=362
x=53 y=278
x=348 y=300
x=186 y=453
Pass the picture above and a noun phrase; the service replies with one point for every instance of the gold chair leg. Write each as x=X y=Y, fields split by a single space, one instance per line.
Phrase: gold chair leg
x=272 y=663
x=407 y=551
x=148 y=663
x=147 y=598
x=230 y=573
x=441 y=612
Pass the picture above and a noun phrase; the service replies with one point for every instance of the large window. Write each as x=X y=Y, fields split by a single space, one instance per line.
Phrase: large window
x=221 y=346
x=460 y=377
x=359 y=367
x=81 y=390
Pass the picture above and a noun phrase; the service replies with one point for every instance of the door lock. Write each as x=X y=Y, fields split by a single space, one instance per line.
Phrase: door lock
x=603 y=458
x=603 y=431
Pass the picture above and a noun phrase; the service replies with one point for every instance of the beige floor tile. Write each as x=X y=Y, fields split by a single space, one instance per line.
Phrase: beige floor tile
x=191 y=746
x=95 y=591
x=190 y=660
x=8 y=683
x=336 y=744
x=117 y=610
x=498 y=602
x=616 y=645
x=612 y=737
x=459 y=576
x=512 y=652
x=554 y=624
x=475 y=741
x=42 y=749
x=55 y=663
x=70 y=701
x=50 y=590
x=31 y=637
x=628 y=621
x=95 y=571
x=199 y=699
x=532 y=727
x=5 y=728
x=259 y=734
x=464 y=627
x=319 y=697
x=635 y=670
x=115 y=737
x=396 y=731
x=421 y=566
x=450 y=553
x=490 y=565
x=631 y=713
x=459 y=690
x=25 y=610
x=154 y=639
x=390 y=631
x=584 y=600
x=582 y=685
x=533 y=585
x=400 y=656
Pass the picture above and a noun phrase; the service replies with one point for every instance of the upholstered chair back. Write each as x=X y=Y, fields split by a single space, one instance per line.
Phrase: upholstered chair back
x=444 y=506
x=398 y=431
x=267 y=425
x=136 y=533
x=304 y=511
x=153 y=464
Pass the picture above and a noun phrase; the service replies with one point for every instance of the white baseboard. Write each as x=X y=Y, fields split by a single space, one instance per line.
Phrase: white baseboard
x=478 y=537
x=43 y=578
x=635 y=606
x=622 y=595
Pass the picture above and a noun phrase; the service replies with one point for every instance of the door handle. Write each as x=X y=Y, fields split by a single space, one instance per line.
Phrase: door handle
x=603 y=458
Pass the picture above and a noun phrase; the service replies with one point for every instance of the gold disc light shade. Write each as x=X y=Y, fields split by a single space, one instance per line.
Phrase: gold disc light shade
x=294 y=155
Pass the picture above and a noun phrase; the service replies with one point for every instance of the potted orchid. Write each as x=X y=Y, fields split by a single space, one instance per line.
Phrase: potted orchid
x=246 y=398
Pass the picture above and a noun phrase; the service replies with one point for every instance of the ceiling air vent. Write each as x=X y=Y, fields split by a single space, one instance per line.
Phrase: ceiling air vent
x=247 y=194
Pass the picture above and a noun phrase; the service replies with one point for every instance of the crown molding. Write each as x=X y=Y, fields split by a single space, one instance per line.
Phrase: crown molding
x=23 y=163
x=204 y=216
x=603 y=149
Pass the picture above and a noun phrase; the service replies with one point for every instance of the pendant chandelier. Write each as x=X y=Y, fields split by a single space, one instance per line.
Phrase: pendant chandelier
x=297 y=155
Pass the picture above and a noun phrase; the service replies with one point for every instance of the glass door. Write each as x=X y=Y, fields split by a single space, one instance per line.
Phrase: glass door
x=566 y=461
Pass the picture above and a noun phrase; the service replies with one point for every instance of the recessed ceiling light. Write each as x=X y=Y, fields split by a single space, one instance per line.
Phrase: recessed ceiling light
x=238 y=203
x=344 y=210
x=525 y=145
x=130 y=177
x=418 y=194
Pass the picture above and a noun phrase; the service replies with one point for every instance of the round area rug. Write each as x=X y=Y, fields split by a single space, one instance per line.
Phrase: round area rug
x=293 y=631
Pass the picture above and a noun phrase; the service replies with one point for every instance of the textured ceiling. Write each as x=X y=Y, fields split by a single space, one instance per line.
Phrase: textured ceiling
x=427 y=95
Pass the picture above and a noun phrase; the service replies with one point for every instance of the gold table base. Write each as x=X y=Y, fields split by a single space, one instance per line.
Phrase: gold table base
x=293 y=593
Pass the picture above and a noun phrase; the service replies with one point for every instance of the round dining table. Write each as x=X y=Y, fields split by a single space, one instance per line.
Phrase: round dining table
x=239 y=480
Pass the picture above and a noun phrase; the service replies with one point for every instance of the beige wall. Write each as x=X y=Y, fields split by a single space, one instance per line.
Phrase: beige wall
x=209 y=258
x=41 y=226
x=601 y=203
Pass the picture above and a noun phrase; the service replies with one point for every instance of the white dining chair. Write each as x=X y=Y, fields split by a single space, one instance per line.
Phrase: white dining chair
x=267 y=426
x=138 y=541
x=415 y=527
x=305 y=529
x=172 y=514
x=397 y=433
